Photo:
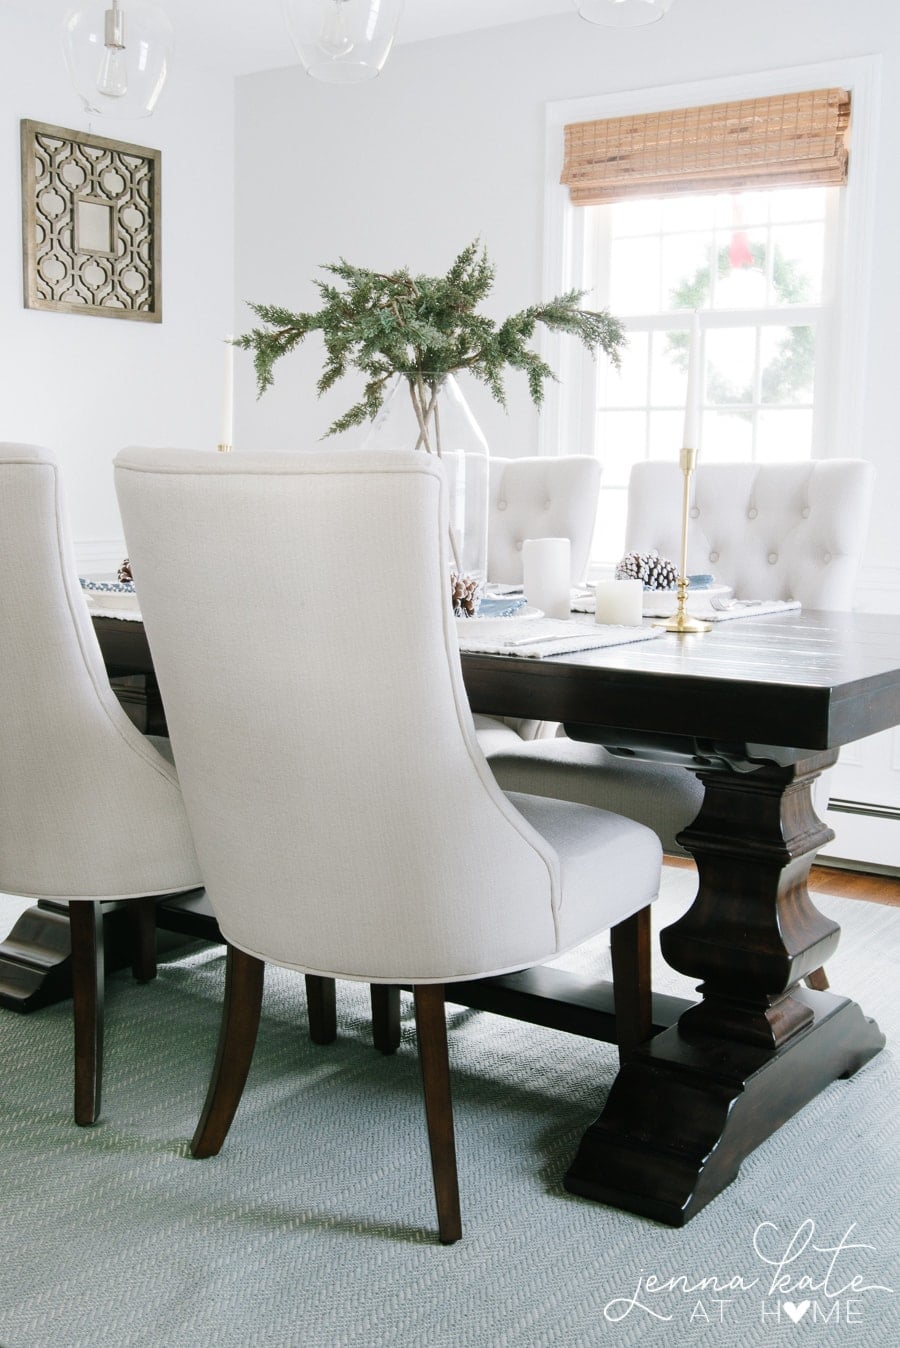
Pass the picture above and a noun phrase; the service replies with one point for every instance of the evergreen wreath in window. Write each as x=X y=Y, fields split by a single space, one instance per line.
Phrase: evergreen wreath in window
x=791 y=370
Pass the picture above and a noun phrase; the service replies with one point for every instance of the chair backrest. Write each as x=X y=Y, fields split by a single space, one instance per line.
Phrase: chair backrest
x=88 y=807
x=770 y=530
x=294 y=603
x=546 y=497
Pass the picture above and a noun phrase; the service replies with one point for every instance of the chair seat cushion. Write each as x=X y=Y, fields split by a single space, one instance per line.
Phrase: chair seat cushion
x=665 y=798
x=496 y=733
x=609 y=866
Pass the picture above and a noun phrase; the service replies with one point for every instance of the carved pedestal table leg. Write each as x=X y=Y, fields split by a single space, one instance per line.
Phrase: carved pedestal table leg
x=690 y=1104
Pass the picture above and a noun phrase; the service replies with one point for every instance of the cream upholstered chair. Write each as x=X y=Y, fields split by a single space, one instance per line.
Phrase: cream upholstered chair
x=90 y=809
x=336 y=838
x=543 y=497
x=771 y=531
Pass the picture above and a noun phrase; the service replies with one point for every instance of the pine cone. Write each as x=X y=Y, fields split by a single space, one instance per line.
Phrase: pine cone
x=125 y=576
x=656 y=573
x=464 y=590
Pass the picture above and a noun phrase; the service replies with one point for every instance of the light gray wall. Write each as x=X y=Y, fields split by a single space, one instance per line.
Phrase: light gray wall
x=86 y=386
x=449 y=143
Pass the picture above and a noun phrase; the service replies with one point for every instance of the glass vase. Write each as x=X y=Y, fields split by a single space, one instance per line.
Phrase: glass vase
x=429 y=413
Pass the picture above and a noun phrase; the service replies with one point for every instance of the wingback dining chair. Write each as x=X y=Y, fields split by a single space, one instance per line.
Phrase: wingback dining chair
x=90 y=809
x=769 y=530
x=336 y=838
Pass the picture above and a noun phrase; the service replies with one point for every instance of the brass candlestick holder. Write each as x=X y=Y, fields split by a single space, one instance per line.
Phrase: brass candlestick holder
x=682 y=620
x=224 y=449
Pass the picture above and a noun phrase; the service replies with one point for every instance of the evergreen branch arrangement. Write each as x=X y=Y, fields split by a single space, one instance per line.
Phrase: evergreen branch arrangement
x=423 y=327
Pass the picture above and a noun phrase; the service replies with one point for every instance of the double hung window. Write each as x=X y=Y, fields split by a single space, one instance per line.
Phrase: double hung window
x=731 y=211
x=755 y=266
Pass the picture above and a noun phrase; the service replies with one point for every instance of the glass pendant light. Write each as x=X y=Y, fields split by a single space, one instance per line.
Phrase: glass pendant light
x=343 y=41
x=623 y=13
x=118 y=54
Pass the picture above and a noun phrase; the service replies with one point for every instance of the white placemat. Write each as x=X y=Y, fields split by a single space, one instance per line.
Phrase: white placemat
x=736 y=608
x=122 y=606
x=534 y=638
x=699 y=606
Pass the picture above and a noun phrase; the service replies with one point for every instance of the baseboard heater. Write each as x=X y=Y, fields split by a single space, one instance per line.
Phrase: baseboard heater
x=865 y=810
x=863 y=807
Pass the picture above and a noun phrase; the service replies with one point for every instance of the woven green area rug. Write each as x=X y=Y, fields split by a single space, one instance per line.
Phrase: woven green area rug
x=315 y=1226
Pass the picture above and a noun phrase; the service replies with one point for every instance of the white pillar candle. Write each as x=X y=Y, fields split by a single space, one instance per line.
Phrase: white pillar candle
x=620 y=601
x=691 y=437
x=228 y=396
x=546 y=575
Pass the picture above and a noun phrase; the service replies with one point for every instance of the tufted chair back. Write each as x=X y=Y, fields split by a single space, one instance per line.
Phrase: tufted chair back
x=770 y=530
x=540 y=498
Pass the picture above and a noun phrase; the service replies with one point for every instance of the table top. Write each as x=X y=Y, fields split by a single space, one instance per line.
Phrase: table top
x=801 y=680
x=810 y=681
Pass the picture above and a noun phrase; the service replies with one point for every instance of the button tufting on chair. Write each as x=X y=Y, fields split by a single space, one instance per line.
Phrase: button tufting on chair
x=550 y=498
x=804 y=510
x=540 y=497
x=813 y=510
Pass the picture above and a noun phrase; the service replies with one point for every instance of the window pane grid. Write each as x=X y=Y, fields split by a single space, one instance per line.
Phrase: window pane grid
x=728 y=237
x=751 y=264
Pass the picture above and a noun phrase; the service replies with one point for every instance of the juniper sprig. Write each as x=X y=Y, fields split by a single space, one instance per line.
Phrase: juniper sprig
x=423 y=327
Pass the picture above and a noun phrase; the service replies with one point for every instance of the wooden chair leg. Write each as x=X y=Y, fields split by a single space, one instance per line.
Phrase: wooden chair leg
x=385 y=1017
x=244 y=976
x=86 y=928
x=818 y=980
x=321 y=1004
x=431 y=1032
x=142 y=915
x=630 y=945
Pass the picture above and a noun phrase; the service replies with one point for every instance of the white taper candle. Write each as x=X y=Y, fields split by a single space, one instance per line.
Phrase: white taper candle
x=691 y=437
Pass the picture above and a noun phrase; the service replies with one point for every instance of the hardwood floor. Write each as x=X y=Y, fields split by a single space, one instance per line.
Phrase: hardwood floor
x=856 y=885
x=842 y=883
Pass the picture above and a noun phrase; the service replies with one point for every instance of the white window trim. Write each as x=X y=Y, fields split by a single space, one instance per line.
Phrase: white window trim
x=567 y=410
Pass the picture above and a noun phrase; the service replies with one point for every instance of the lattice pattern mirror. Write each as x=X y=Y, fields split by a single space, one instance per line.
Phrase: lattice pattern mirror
x=91 y=224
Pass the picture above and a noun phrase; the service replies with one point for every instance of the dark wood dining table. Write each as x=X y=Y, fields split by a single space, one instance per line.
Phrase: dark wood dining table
x=758 y=708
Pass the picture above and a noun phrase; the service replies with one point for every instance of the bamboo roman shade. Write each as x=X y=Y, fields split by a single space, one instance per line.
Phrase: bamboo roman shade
x=786 y=141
